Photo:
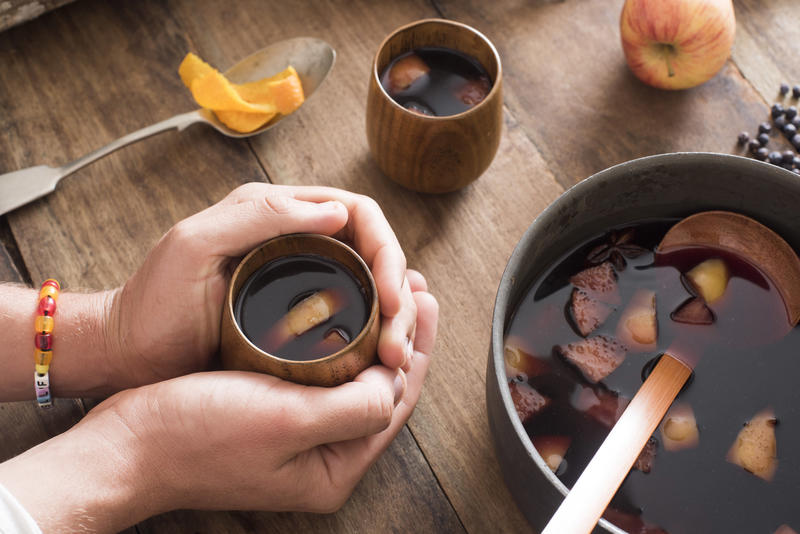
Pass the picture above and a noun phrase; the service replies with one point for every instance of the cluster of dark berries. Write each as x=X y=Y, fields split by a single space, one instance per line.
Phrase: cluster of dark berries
x=785 y=121
x=785 y=90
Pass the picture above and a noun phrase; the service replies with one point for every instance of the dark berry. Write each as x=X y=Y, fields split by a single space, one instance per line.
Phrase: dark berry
x=764 y=127
x=762 y=153
x=787 y=166
x=780 y=122
x=796 y=91
x=796 y=122
x=763 y=139
x=743 y=138
x=753 y=145
x=784 y=88
x=796 y=141
x=788 y=156
x=775 y=158
x=796 y=161
x=796 y=171
x=790 y=130
x=791 y=112
x=777 y=110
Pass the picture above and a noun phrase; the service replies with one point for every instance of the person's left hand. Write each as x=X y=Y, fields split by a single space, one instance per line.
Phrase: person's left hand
x=165 y=321
x=221 y=440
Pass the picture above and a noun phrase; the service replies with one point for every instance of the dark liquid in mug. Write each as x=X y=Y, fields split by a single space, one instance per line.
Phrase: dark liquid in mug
x=745 y=364
x=454 y=83
x=270 y=292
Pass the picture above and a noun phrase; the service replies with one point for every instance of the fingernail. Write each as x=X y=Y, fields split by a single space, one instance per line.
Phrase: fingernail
x=409 y=351
x=399 y=386
x=331 y=205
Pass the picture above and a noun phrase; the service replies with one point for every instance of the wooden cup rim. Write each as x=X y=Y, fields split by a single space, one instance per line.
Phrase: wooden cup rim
x=443 y=22
x=374 y=304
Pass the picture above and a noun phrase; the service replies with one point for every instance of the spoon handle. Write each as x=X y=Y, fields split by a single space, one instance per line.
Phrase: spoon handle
x=17 y=188
x=588 y=498
x=178 y=121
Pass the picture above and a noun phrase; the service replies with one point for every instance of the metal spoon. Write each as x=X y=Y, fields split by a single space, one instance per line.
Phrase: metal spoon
x=311 y=57
x=745 y=237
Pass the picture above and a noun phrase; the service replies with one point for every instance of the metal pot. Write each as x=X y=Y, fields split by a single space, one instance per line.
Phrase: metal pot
x=668 y=185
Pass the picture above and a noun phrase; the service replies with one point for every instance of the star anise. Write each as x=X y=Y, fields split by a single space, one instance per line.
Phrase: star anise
x=618 y=247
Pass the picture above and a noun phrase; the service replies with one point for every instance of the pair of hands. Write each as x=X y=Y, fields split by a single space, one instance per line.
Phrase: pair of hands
x=232 y=440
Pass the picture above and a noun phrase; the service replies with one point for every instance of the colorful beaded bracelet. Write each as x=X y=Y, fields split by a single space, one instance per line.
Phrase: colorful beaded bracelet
x=43 y=354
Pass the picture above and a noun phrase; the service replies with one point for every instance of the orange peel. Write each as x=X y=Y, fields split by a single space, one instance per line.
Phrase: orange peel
x=241 y=107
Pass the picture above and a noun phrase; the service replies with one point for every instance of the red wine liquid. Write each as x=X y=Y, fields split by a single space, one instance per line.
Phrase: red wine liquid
x=270 y=292
x=454 y=83
x=745 y=363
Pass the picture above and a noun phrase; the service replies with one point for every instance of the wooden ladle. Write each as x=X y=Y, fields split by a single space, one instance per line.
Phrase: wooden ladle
x=741 y=235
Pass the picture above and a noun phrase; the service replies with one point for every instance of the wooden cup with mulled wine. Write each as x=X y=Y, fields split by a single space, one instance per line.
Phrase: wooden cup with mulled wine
x=435 y=105
x=302 y=307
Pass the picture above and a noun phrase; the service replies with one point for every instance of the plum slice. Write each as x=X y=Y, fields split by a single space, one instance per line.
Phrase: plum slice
x=405 y=72
x=473 y=92
x=596 y=357
x=693 y=311
x=527 y=400
x=755 y=448
x=602 y=405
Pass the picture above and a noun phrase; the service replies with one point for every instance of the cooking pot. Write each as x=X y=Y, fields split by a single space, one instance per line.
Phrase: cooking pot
x=663 y=186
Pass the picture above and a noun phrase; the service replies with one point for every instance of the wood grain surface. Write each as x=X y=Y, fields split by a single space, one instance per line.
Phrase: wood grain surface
x=78 y=77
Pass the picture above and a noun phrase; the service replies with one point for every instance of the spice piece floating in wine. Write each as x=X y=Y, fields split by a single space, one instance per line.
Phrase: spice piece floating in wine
x=301 y=307
x=436 y=81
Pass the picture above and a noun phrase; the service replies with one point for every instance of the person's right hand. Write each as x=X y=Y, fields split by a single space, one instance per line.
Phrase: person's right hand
x=223 y=440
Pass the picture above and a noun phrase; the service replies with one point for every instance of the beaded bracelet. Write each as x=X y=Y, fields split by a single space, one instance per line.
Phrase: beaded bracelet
x=43 y=355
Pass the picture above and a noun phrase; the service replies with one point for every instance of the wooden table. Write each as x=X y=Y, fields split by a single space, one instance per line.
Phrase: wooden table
x=91 y=71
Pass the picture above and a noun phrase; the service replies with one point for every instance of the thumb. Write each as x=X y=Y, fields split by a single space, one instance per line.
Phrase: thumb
x=235 y=229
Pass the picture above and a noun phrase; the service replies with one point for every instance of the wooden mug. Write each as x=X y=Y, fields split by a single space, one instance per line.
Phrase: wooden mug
x=238 y=352
x=434 y=154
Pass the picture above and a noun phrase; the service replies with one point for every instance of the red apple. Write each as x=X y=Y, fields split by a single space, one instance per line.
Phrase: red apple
x=677 y=44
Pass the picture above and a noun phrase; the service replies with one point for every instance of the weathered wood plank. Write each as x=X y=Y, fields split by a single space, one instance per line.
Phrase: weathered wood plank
x=67 y=96
x=13 y=12
x=571 y=90
x=766 y=47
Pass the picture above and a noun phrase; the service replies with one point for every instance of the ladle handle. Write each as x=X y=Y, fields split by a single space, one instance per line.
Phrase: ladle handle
x=589 y=497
